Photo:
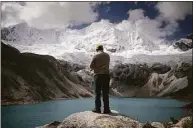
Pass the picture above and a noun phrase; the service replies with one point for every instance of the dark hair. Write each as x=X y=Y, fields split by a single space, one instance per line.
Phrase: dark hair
x=100 y=47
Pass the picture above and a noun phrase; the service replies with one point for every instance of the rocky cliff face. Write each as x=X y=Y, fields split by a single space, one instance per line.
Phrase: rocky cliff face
x=185 y=43
x=151 y=81
x=28 y=78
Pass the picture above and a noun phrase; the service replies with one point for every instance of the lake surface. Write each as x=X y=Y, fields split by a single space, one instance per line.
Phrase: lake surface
x=142 y=109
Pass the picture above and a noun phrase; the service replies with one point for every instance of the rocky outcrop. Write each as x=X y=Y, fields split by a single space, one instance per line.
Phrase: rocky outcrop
x=186 y=122
x=131 y=74
x=183 y=76
x=31 y=78
x=89 y=119
x=184 y=44
x=142 y=80
x=137 y=74
x=71 y=66
x=155 y=80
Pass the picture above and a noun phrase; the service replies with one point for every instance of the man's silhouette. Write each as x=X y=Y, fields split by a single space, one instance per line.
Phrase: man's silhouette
x=100 y=65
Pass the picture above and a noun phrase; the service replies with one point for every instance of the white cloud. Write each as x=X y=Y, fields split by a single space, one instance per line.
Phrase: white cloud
x=136 y=14
x=173 y=11
x=50 y=14
x=60 y=14
x=10 y=13
x=150 y=28
x=145 y=25
x=169 y=13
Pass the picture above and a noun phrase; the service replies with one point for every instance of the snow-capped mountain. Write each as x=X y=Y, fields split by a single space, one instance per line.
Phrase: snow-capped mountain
x=167 y=69
x=123 y=41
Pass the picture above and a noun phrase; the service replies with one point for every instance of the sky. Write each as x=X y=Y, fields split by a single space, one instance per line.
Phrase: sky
x=171 y=20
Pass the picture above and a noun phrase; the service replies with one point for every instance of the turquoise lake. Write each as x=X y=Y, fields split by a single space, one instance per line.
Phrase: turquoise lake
x=142 y=109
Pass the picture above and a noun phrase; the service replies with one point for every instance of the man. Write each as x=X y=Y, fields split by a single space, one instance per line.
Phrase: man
x=100 y=65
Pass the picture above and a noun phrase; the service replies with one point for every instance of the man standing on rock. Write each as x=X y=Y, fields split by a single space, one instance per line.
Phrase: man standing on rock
x=100 y=65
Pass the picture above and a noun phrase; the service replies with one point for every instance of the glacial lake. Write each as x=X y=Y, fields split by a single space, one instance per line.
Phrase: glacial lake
x=142 y=109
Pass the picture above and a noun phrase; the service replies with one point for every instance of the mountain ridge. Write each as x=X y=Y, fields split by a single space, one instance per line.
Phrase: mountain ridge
x=122 y=41
x=32 y=78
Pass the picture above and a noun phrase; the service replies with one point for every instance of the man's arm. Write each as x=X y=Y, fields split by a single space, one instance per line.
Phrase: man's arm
x=92 y=64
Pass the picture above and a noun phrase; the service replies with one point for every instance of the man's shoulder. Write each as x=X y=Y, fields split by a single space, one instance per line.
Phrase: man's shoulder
x=106 y=54
x=102 y=54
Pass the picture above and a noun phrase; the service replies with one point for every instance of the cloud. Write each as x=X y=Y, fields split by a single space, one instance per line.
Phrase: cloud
x=145 y=25
x=61 y=14
x=169 y=13
x=136 y=14
x=150 y=28
x=174 y=11
x=10 y=13
x=49 y=14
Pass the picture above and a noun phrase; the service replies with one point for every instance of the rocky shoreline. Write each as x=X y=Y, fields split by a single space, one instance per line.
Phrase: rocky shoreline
x=187 y=106
x=88 y=119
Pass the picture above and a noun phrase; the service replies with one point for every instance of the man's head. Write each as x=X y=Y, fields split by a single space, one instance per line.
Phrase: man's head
x=99 y=48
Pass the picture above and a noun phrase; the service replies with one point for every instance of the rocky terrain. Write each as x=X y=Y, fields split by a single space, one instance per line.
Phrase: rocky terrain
x=156 y=80
x=184 y=44
x=89 y=119
x=30 y=78
x=53 y=64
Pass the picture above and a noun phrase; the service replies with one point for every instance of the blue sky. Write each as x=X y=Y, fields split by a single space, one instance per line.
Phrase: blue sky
x=117 y=11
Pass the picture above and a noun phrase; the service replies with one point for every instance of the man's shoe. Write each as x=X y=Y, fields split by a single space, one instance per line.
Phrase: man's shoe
x=96 y=111
x=107 y=111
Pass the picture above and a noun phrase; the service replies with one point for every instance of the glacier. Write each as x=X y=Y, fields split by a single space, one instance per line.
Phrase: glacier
x=124 y=41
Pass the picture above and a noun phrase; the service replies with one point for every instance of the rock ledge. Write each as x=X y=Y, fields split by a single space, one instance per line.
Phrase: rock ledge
x=88 y=119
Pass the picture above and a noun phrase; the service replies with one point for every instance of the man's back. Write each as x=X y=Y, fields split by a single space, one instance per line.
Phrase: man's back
x=100 y=63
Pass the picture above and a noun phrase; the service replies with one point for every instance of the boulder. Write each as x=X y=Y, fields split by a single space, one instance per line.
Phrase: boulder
x=89 y=119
